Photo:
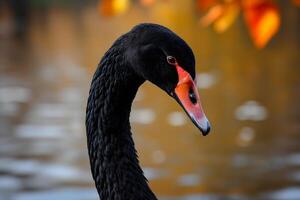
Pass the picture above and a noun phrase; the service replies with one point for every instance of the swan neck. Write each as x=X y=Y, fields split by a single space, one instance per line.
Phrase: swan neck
x=113 y=159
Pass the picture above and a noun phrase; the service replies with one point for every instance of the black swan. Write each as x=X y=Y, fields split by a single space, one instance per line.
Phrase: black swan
x=147 y=52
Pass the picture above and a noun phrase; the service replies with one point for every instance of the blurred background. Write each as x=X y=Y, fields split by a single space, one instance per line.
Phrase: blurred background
x=248 y=73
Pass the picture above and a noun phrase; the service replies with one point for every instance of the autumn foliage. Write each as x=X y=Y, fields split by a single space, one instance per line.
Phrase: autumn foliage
x=262 y=17
x=263 y=21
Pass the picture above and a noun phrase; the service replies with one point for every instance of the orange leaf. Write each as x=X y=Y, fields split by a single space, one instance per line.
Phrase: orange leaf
x=230 y=13
x=147 y=3
x=296 y=2
x=113 y=7
x=263 y=20
x=212 y=15
x=205 y=4
x=251 y=3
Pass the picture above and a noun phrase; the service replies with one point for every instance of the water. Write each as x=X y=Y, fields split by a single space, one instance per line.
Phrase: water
x=250 y=96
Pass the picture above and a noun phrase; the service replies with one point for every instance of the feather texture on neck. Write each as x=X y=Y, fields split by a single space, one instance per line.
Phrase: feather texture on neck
x=114 y=163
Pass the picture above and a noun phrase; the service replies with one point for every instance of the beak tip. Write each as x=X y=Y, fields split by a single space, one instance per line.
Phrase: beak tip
x=207 y=130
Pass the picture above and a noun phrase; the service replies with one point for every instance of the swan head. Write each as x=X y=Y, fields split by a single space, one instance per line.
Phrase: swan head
x=157 y=54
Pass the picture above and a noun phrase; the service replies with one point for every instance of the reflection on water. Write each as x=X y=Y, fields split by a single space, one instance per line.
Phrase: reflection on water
x=177 y=118
x=246 y=136
x=142 y=116
x=251 y=110
x=189 y=180
x=250 y=96
x=205 y=80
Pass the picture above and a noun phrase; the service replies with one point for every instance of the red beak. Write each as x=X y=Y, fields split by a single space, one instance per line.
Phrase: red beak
x=186 y=94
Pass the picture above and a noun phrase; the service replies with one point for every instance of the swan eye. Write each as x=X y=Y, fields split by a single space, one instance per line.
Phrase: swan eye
x=171 y=60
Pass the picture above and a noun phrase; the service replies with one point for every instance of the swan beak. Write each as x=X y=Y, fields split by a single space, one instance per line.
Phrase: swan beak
x=187 y=96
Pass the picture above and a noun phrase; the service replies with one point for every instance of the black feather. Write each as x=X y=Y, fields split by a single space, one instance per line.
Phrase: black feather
x=137 y=56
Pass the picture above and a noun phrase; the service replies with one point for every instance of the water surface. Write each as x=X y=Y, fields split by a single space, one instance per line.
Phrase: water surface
x=250 y=96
